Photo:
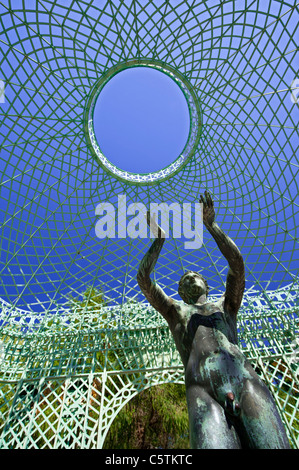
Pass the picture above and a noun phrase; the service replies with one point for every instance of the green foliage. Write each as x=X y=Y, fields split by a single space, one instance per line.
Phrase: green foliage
x=90 y=300
x=157 y=418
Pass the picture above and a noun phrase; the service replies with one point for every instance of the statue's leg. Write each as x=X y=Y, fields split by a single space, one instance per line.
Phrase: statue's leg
x=261 y=425
x=209 y=427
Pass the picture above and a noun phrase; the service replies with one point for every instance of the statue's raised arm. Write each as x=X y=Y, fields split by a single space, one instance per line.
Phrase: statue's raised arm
x=235 y=282
x=151 y=290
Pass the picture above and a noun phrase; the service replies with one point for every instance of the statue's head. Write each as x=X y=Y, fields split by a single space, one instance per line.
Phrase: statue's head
x=192 y=285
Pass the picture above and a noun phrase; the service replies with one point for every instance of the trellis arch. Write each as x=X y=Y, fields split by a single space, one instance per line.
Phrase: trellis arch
x=73 y=383
x=146 y=381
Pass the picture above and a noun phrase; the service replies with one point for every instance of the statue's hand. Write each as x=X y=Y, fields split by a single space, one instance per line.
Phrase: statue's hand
x=157 y=231
x=208 y=209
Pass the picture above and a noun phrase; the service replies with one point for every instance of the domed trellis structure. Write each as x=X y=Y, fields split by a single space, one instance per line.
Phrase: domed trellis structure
x=78 y=340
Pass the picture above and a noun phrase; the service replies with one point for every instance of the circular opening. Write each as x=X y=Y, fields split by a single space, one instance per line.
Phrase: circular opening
x=141 y=120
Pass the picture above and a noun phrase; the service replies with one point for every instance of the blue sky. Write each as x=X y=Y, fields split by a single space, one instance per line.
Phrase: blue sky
x=141 y=120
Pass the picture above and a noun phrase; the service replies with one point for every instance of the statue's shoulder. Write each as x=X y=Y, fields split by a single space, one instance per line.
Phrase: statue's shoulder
x=182 y=310
x=220 y=302
x=179 y=305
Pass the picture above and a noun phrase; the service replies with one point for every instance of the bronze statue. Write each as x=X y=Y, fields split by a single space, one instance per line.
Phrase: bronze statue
x=229 y=406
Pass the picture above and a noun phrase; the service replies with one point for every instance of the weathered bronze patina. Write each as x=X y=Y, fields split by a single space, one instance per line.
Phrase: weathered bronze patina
x=229 y=406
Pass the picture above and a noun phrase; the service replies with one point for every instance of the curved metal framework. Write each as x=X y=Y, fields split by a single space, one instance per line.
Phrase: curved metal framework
x=194 y=132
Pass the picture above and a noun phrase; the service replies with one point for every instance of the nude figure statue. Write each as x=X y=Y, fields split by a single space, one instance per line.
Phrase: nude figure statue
x=229 y=406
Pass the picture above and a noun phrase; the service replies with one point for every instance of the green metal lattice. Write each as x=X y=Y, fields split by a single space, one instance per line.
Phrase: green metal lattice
x=64 y=374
